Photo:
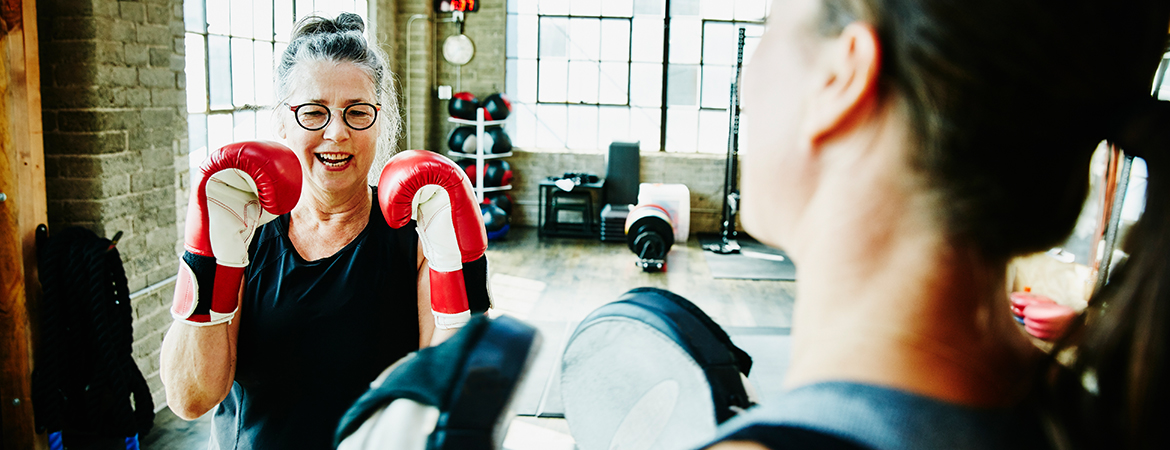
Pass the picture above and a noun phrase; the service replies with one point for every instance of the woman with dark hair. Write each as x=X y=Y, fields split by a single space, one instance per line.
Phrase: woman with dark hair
x=914 y=147
x=332 y=295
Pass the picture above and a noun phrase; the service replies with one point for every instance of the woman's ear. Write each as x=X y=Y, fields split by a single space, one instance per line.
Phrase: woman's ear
x=850 y=66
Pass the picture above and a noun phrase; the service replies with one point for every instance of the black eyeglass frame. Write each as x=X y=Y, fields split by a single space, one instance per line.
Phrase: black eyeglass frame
x=344 y=112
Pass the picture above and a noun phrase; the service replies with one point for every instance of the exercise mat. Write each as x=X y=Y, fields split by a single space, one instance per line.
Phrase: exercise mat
x=755 y=261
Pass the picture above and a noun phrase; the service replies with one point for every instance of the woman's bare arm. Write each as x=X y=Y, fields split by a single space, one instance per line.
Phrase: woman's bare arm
x=198 y=365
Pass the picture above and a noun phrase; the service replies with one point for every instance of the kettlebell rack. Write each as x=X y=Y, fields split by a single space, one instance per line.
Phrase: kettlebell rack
x=480 y=155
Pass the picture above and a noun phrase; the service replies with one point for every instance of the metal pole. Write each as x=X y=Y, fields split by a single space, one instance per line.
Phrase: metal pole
x=1114 y=223
x=728 y=235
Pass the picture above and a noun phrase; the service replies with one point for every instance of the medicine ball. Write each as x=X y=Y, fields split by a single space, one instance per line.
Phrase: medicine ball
x=495 y=220
x=496 y=140
x=457 y=139
x=501 y=199
x=496 y=172
x=496 y=107
x=463 y=106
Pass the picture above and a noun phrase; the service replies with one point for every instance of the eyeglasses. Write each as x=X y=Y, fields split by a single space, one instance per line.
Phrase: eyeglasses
x=315 y=116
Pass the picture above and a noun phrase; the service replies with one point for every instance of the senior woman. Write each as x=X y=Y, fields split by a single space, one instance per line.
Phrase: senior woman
x=332 y=294
x=914 y=147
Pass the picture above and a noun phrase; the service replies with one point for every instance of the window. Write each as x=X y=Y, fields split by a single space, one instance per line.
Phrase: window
x=231 y=46
x=584 y=74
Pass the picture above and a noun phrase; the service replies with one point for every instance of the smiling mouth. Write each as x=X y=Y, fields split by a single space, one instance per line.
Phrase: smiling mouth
x=333 y=159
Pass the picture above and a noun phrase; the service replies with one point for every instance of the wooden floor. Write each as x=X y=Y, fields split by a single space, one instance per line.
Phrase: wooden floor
x=560 y=279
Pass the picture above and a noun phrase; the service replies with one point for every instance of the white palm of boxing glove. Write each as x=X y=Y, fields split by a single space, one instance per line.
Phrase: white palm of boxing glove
x=241 y=186
x=435 y=192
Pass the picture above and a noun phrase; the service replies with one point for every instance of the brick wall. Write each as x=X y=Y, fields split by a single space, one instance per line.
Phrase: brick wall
x=115 y=126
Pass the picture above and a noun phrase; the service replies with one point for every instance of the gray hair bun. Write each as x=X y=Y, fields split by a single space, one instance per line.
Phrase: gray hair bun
x=313 y=25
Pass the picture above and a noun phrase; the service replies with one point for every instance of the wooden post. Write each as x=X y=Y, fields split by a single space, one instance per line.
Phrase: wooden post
x=22 y=180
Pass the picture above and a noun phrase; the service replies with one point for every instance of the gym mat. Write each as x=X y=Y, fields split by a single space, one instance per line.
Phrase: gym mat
x=755 y=261
x=540 y=391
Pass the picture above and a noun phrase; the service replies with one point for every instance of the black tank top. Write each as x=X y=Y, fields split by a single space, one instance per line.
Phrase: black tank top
x=314 y=334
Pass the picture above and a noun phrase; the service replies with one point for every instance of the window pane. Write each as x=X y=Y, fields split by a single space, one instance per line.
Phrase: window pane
x=644 y=127
x=245 y=126
x=751 y=41
x=583 y=127
x=717 y=86
x=219 y=60
x=615 y=80
x=716 y=9
x=553 y=78
x=525 y=126
x=526 y=80
x=304 y=8
x=193 y=15
x=583 y=78
x=682 y=85
x=197 y=139
x=362 y=8
x=262 y=18
x=265 y=128
x=510 y=37
x=749 y=9
x=646 y=45
x=218 y=12
x=243 y=72
x=713 y=131
x=551 y=126
x=526 y=41
x=682 y=126
x=282 y=19
x=615 y=40
x=646 y=84
x=554 y=37
x=241 y=18
x=196 y=73
x=685 y=40
x=263 y=59
x=523 y=6
x=510 y=79
x=219 y=130
x=613 y=124
x=684 y=8
x=585 y=39
x=585 y=8
x=554 y=7
x=617 y=8
x=656 y=7
x=720 y=43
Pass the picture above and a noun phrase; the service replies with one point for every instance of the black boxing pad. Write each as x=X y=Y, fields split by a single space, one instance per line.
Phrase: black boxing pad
x=650 y=370
x=469 y=379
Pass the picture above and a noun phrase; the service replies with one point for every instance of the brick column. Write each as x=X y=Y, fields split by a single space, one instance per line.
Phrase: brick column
x=116 y=141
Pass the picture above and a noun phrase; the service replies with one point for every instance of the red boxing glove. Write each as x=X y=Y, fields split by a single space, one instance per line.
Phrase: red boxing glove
x=241 y=186
x=435 y=192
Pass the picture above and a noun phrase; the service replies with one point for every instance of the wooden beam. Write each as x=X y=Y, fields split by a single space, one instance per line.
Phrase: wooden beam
x=22 y=180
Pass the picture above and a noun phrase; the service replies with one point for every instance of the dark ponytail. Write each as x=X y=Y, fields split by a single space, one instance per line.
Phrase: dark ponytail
x=1115 y=394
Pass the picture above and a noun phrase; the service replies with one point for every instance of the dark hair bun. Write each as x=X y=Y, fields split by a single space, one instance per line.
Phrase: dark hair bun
x=311 y=25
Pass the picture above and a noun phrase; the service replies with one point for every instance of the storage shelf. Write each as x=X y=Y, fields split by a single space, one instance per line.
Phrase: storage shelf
x=506 y=187
x=486 y=123
x=473 y=155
